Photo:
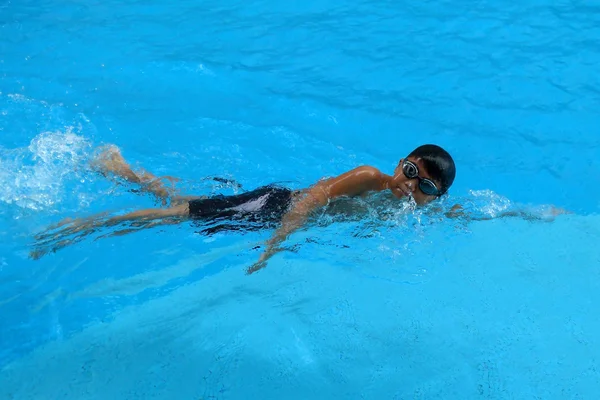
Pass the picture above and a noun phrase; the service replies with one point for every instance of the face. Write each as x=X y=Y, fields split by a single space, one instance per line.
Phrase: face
x=402 y=186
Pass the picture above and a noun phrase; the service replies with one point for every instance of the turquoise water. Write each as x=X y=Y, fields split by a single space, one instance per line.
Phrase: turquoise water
x=399 y=305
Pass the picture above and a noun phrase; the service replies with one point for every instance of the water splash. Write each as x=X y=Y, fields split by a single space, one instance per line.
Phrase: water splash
x=388 y=236
x=36 y=177
x=488 y=203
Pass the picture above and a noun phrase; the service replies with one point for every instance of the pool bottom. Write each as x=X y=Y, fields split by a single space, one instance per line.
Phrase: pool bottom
x=500 y=318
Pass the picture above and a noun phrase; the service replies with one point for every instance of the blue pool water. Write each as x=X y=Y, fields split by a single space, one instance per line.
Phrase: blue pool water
x=407 y=306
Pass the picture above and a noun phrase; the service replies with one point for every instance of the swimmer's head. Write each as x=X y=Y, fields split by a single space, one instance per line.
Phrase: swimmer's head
x=426 y=173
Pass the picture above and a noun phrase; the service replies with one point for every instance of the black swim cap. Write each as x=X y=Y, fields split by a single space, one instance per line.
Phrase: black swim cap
x=438 y=162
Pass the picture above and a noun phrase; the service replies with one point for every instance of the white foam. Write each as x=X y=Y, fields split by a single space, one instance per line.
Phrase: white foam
x=35 y=177
x=490 y=203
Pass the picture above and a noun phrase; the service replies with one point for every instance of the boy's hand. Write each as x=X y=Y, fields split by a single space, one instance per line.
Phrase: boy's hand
x=262 y=261
x=455 y=212
x=256 y=266
x=554 y=211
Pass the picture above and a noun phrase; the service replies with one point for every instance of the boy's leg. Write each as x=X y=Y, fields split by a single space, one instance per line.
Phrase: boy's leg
x=181 y=211
x=74 y=230
x=70 y=226
x=110 y=161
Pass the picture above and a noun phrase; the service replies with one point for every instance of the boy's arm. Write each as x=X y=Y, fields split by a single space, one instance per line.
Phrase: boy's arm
x=355 y=182
x=458 y=212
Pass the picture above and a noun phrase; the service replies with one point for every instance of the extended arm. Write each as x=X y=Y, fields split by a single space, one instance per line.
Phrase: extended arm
x=355 y=182
x=458 y=212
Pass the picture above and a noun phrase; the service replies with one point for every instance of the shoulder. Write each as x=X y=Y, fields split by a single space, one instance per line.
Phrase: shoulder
x=368 y=171
x=362 y=172
x=364 y=176
x=356 y=181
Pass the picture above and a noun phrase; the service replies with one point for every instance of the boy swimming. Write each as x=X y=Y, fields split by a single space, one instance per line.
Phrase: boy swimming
x=424 y=175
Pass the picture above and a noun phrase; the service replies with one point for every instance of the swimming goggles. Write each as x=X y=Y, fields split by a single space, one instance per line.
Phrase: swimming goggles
x=427 y=186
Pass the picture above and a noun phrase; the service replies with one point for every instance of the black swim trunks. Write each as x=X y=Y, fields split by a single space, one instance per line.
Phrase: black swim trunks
x=259 y=208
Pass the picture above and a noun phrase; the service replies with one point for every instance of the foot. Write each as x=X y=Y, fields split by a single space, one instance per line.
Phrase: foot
x=110 y=161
